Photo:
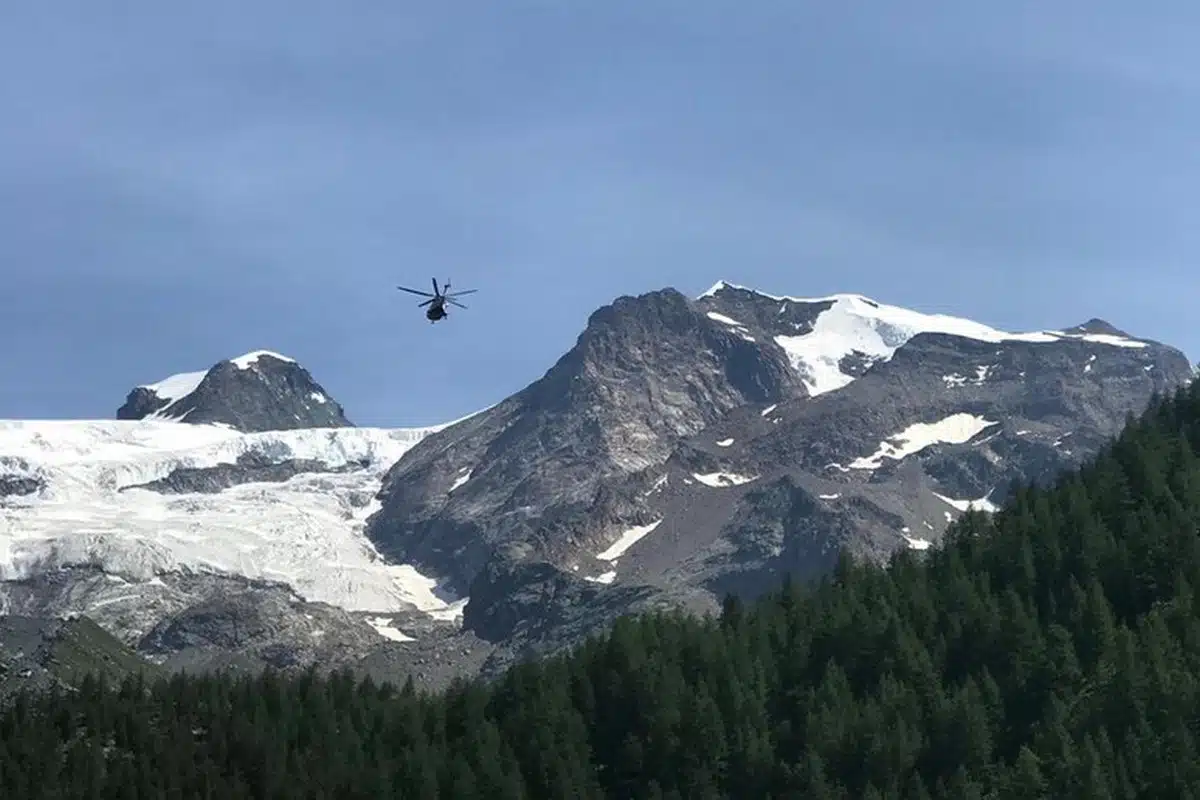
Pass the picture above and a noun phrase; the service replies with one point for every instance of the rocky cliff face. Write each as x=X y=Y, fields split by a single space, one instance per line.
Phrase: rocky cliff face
x=549 y=470
x=259 y=391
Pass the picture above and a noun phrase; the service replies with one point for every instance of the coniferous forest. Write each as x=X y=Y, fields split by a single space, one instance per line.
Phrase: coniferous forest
x=1051 y=650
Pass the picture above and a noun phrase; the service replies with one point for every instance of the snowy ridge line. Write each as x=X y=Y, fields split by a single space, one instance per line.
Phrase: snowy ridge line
x=248 y=360
x=857 y=324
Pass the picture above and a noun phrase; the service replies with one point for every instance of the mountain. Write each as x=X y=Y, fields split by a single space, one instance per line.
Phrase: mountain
x=681 y=449
x=257 y=391
x=202 y=544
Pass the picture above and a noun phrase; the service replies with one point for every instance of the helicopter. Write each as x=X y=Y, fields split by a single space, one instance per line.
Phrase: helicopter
x=437 y=301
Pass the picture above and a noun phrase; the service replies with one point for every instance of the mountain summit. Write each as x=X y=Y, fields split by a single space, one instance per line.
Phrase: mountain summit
x=258 y=391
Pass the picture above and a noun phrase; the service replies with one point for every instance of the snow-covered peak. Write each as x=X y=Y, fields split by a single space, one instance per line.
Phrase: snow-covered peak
x=174 y=387
x=256 y=391
x=854 y=324
x=248 y=360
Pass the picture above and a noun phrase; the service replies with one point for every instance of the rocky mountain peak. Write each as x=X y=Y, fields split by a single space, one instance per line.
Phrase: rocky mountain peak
x=1098 y=326
x=644 y=372
x=657 y=309
x=637 y=347
x=257 y=391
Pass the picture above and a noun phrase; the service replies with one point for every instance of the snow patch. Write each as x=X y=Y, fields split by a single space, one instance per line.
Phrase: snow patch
x=320 y=398
x=713 y=315
x=982 y=504
x=176 y=387
x=383 y=626
x=1106 y=338
x=628 y=539
x=917 y=544
x=248 y=360
x=768 y=409
x=605 y=577
x=719 y=479
x=461 y=479
x=829 y=496
x=725 y=443
x=954 y=429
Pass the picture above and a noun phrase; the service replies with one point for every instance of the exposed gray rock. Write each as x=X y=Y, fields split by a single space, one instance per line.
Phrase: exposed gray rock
x=532 y=598
x=533 y=609
x=256 y=392
x=645 y=372
x=140 y=403
x=269 y=624
x=778 y=529
x=250 y=467
x=19 y=485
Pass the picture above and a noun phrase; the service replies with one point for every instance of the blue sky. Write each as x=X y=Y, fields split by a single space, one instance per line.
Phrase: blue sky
x=181 y=186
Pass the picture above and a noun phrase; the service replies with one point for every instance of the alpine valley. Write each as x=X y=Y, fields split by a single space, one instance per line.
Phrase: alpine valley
x=683 y=449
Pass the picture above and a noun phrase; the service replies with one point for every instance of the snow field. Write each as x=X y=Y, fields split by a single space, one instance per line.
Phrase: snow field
x=307 y=532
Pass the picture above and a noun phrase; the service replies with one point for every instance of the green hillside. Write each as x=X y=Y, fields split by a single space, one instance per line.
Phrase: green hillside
x=1051 y=650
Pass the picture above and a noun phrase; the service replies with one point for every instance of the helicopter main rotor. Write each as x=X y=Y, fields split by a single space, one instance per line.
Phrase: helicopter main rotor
x=440 y=295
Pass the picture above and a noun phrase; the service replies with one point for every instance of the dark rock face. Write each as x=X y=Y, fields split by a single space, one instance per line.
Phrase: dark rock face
x=531 y=609
x=19 y=485
x=141 y=403
x=249 y=468
x=529 y=598
x=775 y=530
x=18 y=478
x=644 y=373
x=256 y=392
x=265 y=624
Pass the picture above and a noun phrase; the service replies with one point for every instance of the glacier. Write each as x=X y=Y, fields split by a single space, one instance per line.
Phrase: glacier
x=307 y=532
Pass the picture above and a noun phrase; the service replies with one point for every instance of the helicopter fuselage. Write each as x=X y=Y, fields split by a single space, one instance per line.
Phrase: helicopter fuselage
x=435 y=312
